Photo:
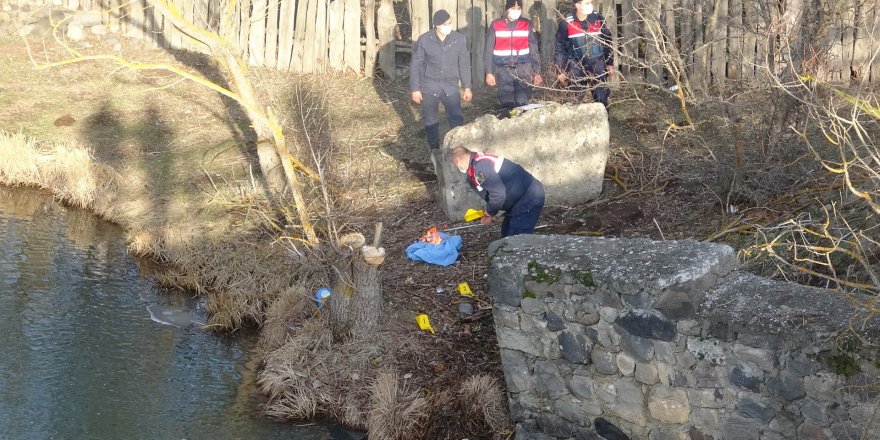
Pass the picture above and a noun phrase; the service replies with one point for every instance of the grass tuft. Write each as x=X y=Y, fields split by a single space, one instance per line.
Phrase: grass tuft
x=482 y=397
x=396 y=413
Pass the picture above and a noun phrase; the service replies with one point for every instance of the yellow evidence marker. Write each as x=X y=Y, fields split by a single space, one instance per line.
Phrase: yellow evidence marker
x=424 y=323
x=473 y=214
x=464 y=289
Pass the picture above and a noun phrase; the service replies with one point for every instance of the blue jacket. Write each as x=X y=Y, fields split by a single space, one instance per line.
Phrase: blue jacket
x=439 y=65
x=499 y=181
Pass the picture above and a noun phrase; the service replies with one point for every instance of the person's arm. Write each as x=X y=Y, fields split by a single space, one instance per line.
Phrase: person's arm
x=488 y=61
x=416 y=66
x=493 y=186
x=534 y=50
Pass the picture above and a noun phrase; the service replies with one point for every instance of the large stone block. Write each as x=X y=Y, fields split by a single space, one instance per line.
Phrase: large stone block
x=563 y=146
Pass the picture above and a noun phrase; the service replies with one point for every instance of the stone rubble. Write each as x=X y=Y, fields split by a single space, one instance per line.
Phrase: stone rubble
x=631 y=338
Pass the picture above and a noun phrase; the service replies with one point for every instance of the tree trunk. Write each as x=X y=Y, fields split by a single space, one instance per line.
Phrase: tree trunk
x=356 y=301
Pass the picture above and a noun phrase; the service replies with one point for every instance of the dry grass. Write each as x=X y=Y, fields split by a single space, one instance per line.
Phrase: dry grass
x=66 y=169
x=311 y=375
x=396 y=412
x=484 y=400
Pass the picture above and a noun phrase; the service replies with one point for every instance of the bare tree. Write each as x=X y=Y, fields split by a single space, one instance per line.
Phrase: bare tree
x=273 y=148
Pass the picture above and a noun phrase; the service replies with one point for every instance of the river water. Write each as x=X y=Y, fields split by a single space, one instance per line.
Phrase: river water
x=91 y=349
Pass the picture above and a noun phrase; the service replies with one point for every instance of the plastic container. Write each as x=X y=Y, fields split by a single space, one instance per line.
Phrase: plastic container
x=321 y=296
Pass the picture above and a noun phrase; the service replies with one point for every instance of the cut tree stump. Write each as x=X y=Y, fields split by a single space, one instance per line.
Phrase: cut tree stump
x=356 y=301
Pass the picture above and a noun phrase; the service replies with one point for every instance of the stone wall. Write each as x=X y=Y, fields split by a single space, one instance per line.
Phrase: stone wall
x=563 y=146
x=631 y=338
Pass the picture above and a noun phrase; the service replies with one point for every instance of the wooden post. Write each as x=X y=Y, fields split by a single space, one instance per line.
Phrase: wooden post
x=352 y=30
x=321 y=37
x=270 y=58
x=701 y=50
x=188 y=12
x=630 y=43
x=309 y=44
x=653 y=33
x=686 y=26
x=719 y=42
x=609 y=10
x=735 y=55
x=420 y=18
x=872 y=26
x=286 y=23
x=847 y=42
x=385 y=23
x=371 y=50
x=257 y=34
x=137 y=20
x=299 y=36
x=335 y=17
x=477 y=31
x=174 y=36
x=750 y=39
x=244 y=26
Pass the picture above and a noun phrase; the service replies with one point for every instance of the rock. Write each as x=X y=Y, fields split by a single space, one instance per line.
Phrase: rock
x=647 y=324
x=465 y=309
x=574 y=347
x=99 y=30
x=87 y=19
x=604 y=362
x=748 y=376
x=563 y=146
x=608 y=431
x=75 y=32
x=669 y=405
x=64 y=121
x=26 y=30
x=625 y=364
x=646 y=374
x=755 y=409
x=555 y=322
x=707 y=397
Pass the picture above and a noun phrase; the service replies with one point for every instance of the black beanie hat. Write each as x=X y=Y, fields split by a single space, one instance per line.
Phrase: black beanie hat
x=440 y=17
x=511 y=3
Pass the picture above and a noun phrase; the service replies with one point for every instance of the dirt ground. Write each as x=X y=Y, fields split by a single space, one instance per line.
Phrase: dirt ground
x=182 y=141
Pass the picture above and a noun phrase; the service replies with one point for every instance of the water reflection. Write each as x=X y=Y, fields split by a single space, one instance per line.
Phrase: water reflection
x=83 y=349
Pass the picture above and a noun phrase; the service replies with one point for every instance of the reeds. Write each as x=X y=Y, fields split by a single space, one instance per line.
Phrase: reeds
x=310 y=374
x=65 y=169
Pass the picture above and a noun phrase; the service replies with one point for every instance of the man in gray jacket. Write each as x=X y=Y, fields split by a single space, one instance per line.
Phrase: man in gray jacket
x=440 y=59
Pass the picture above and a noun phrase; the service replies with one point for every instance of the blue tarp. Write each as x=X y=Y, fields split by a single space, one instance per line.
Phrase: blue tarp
x=442 y=254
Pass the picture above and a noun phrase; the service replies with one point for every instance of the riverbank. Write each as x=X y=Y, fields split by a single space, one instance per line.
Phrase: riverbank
x=171 y=164
x=174 y=165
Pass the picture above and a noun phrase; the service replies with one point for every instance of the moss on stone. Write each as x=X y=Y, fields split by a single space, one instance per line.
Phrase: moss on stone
x=844 y=364
x=527 y=294
x=543 y=274
x=585 y=277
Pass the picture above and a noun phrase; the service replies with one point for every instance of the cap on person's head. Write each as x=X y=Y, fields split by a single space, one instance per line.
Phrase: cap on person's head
x=511 y=3
x=440 y=17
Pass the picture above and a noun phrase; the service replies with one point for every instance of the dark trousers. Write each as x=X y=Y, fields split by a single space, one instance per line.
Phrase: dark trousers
x=431 y=114
x=592 y=75
x=513 y=85
x=523 y=216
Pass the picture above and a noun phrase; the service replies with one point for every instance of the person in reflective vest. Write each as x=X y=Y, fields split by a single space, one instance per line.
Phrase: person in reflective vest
x=511 y=57
x=505 y=186
x=583 y=53
x=440 y=60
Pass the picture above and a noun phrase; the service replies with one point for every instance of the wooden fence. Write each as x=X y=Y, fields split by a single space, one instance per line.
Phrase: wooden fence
x=717 y=40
